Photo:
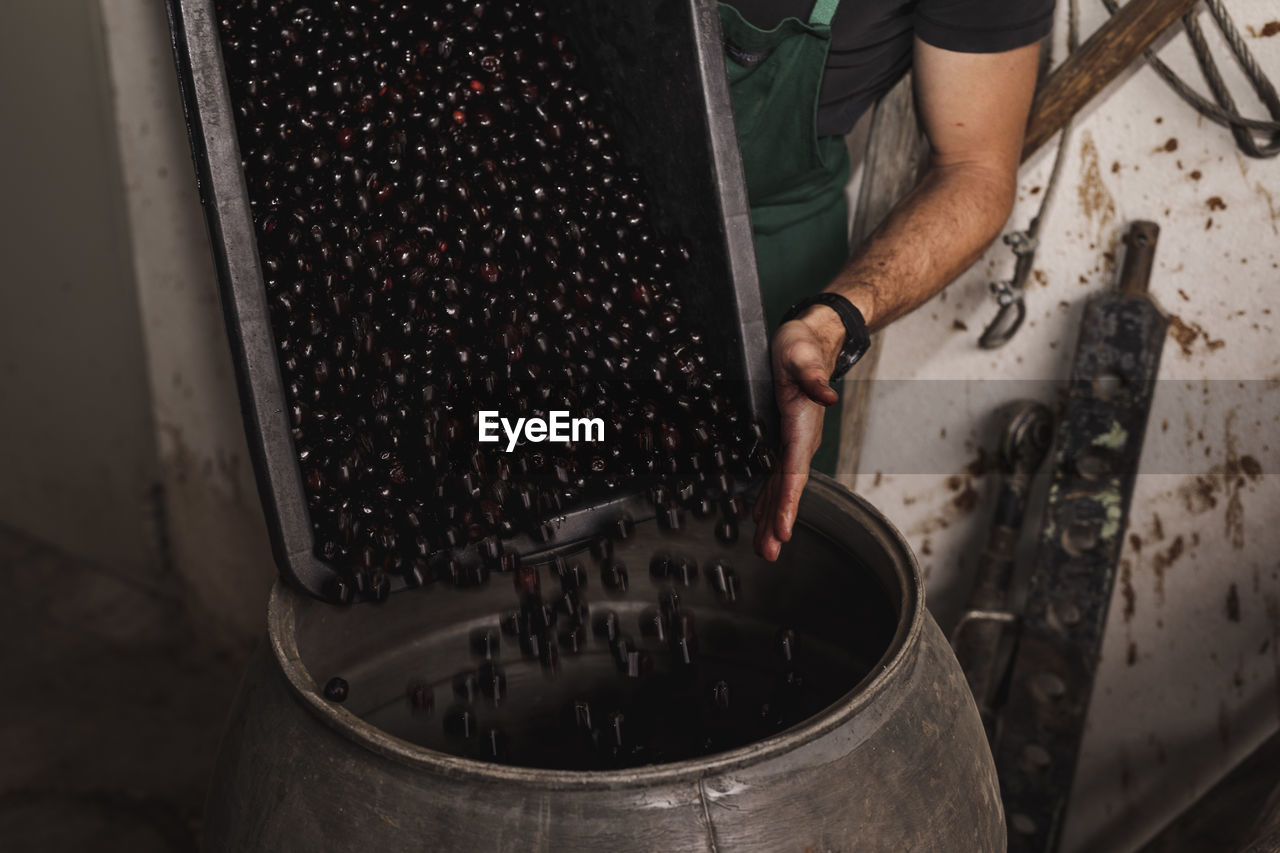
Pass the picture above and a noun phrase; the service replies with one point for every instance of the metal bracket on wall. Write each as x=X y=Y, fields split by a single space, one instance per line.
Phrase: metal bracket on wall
x=1098 y=443
x=981 y=636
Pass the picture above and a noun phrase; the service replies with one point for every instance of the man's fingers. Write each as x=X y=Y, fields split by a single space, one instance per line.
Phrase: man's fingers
x=764 y=531
x=764 y=511
x=767 y=544
x=794 y=474
x=758 y=514
x=788 y=503
x=776 y=508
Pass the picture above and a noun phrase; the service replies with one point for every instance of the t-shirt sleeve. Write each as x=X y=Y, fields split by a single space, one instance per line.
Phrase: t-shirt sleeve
x=982 y=26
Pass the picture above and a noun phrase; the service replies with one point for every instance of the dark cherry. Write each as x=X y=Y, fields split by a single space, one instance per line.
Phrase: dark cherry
x=727 y=530
x=613 y=575
x=461 y=722
x=787 y=644
x=336 y=689
x=493 y=682
x=725 y=582
x=421 y=698
x=485 y=643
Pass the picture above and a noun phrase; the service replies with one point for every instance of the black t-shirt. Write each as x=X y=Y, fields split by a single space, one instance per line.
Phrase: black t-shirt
x=871 y=41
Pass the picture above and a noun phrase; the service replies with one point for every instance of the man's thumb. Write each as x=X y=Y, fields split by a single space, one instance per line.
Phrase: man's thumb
x=815 y=386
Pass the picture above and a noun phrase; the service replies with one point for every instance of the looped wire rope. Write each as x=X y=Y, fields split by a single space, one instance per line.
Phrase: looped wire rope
x=1009 y=293
x=1224 y=112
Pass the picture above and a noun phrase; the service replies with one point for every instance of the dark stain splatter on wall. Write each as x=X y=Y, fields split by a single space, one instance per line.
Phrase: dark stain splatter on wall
x=1233 y=518
x=1095 y=199
x=1186 y=334
x=1272 y=605
x=1199 y=495
x=964 y=498
x=967 y=500
x=980 y=464
x=1164 y=560
x=1251 y=467
x=1126 y=589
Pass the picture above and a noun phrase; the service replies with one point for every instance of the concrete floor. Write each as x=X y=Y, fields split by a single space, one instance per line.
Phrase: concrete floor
x=114 y=709
x=1242 y=809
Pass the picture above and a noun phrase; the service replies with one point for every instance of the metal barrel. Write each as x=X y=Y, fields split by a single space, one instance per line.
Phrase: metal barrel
x=898 y=762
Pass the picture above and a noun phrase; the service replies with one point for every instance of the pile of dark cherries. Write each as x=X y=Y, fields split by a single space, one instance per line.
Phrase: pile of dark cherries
x=609 y=663
x=445 y=225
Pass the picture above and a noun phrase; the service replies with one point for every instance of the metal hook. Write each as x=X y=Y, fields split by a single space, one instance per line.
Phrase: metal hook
x=1006 y=322
x=972 y=617
x=1022 y=242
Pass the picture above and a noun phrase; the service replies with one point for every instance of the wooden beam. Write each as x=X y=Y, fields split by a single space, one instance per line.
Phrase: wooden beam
x=1110 y=50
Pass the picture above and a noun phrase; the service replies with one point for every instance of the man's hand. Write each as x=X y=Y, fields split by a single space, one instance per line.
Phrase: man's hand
x=803 y=360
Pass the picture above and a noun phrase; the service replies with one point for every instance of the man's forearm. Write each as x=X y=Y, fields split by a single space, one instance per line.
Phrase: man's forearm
x=934 y=233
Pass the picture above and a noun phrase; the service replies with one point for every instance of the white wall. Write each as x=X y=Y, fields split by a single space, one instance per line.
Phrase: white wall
x=1188 y=684
x=216 y=530
x=77 y=447
x=121 y=437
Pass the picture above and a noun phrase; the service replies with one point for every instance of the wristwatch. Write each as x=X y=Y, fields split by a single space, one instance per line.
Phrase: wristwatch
x=857 y=338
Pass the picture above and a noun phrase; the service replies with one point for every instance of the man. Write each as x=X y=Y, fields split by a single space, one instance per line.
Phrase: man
x=790 y=61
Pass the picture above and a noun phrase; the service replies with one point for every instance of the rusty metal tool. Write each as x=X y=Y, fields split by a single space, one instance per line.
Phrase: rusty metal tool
x=983 y=628
x=1097 y=445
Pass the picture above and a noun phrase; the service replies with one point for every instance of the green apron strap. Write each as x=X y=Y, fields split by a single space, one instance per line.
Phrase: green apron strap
x=795 y=179
x=823 y=12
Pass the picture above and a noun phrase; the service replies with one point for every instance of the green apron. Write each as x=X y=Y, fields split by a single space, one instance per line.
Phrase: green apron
x=795 y=179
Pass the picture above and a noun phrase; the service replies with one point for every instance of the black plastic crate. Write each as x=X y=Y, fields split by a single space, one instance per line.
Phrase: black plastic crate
x=659 y=65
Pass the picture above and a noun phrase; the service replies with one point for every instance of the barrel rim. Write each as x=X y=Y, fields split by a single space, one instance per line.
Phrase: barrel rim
x=281 y=623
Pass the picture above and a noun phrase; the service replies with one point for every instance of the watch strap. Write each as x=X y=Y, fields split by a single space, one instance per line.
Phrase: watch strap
x=857 y=338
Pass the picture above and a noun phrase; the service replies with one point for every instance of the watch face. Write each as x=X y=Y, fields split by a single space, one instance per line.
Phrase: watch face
x=855 y=346
x=844 y=362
